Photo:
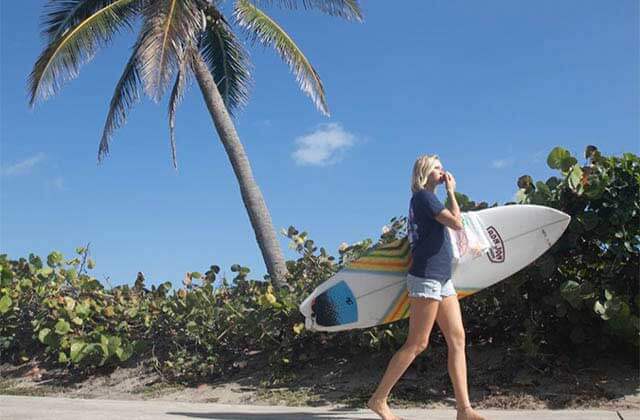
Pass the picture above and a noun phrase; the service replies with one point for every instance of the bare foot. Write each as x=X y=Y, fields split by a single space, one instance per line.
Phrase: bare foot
x=468 y=413
x=380 y=407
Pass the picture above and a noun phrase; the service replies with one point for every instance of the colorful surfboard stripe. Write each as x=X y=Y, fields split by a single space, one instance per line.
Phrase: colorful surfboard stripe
x=392 y=257
x=400 y=307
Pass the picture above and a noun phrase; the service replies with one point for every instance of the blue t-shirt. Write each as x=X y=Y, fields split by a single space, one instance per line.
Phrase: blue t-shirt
x=430 y=242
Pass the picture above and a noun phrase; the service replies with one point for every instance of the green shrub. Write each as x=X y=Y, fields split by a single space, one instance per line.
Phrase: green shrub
x=62 y=311
x=583 y=292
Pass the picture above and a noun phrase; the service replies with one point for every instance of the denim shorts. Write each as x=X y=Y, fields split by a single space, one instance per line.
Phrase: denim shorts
x=429 y=288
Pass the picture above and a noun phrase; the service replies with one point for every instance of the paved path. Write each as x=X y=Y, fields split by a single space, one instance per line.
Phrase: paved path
x=26 y=408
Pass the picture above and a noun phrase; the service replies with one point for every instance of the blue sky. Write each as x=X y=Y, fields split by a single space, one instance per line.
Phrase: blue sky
x=490 y=86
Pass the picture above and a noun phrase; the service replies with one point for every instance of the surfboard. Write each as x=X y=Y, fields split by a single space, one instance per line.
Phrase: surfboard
x=372 y=289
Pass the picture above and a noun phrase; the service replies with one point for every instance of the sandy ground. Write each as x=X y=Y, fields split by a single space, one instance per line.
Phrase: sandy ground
x=496 y=381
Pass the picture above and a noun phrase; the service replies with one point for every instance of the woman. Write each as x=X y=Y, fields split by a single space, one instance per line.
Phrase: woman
x=432 y=296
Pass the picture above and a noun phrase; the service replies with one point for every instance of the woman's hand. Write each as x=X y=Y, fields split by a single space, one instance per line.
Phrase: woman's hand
x=449 y=181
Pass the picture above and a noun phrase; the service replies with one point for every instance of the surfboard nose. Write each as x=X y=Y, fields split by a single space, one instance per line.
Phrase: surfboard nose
x=558 y=216
x=552 y=223
x=559 y=213
x=563 y=221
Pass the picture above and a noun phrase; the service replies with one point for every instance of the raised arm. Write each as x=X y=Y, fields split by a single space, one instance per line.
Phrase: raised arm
x=451 y=216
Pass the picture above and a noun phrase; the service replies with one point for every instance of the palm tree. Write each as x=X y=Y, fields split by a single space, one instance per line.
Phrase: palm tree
x=178 y=39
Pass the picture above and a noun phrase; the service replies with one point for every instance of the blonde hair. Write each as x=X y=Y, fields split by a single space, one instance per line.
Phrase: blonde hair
x=421 y=170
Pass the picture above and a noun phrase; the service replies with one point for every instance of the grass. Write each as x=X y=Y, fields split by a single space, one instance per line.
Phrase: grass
x=157 y=389
x=12 y=387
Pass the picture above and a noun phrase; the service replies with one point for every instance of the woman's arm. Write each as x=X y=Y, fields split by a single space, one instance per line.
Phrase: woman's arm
x=451 y=216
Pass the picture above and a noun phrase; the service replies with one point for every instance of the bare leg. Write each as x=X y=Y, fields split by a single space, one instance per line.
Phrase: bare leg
x=449 y=320
x=422 y=316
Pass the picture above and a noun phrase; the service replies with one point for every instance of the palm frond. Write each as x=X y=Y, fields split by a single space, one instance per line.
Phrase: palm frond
x=169 y=25
x=125 y=95
x=62 y=15
x=175 y=99
x=228 y=62
x=346 y=9
x=64 y=55
x=268 y=32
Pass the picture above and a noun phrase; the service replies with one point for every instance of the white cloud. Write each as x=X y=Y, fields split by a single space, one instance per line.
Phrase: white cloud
x=325 y=146
x=502 y=163
x=23 y=167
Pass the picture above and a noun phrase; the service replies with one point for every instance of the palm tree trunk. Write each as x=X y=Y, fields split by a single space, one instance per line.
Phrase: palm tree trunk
x=251 y=195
